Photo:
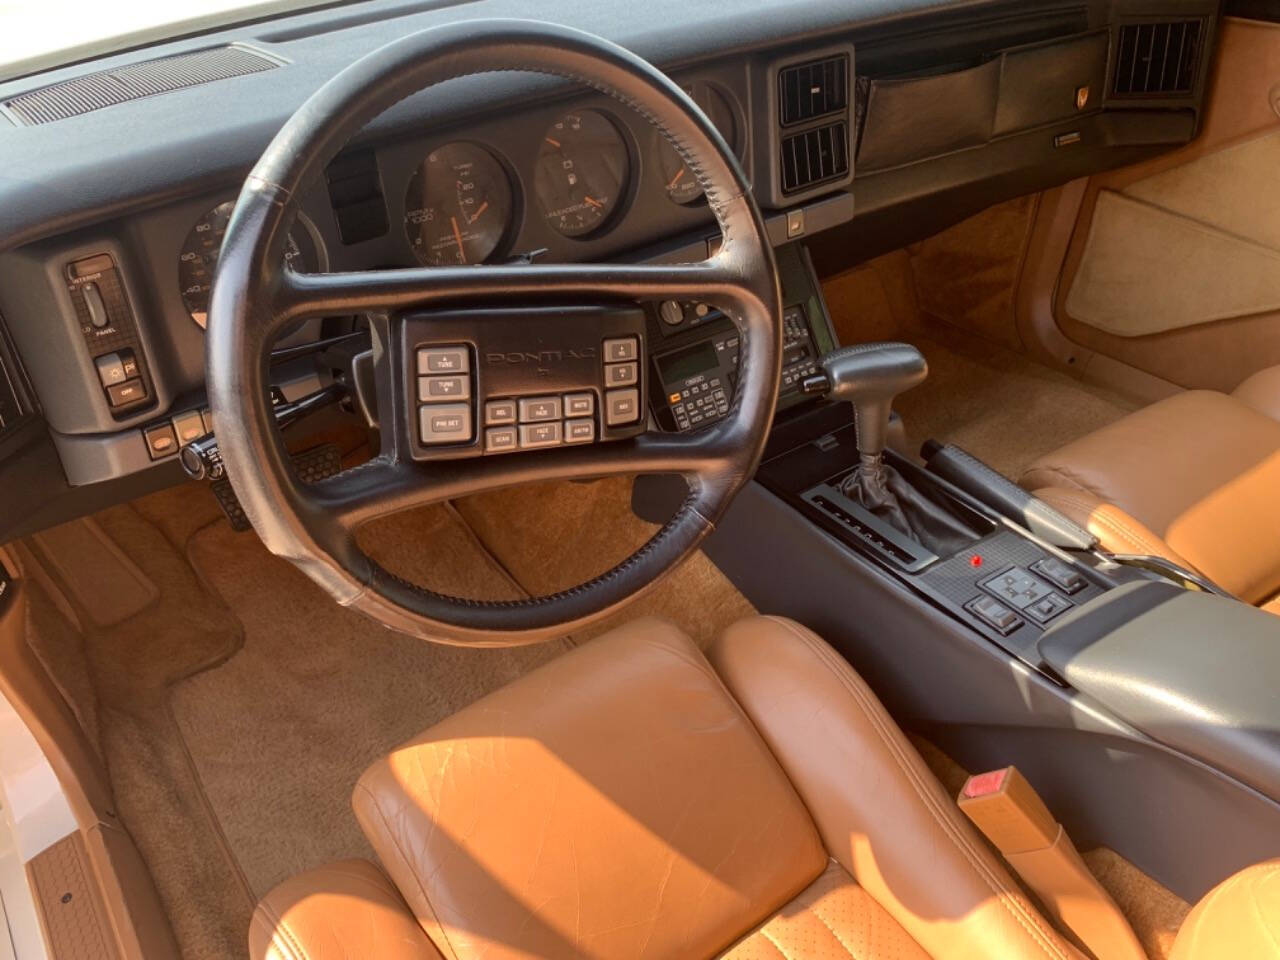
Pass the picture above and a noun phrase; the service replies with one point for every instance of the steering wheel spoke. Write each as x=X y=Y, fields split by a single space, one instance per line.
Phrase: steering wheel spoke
x=304 y=296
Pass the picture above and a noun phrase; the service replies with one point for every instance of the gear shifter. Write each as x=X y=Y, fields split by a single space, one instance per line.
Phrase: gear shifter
x=870 y=376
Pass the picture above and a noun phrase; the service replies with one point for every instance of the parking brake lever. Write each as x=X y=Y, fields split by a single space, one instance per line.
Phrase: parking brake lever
x=202 y=460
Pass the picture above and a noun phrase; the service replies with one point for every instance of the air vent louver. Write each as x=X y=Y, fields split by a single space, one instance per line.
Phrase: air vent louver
x=15 y=402
x=815 y=156
x=106 y=88
x=813 y=89
x=1157 y=59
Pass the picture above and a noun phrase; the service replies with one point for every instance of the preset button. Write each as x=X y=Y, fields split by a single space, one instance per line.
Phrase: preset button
x=445 y=423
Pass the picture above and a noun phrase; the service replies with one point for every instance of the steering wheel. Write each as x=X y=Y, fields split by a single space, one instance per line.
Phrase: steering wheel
x=314 y=525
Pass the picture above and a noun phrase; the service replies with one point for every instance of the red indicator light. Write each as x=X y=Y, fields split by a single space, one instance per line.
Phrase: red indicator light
x=975 y=560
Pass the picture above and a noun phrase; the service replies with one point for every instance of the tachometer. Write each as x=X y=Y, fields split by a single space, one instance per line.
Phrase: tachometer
x=199 y=257
x=458 y=207
x=681 y=185
x=583 y=167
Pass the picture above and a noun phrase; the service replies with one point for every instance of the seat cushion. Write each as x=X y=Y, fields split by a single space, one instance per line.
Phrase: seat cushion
x=1262 y=392
x=832 y=919
x=616 y=802
x=881 y=813
x=341 y=911
x=1193 y=478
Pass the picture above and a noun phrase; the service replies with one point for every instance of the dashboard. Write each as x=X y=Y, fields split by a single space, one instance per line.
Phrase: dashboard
x=862 y=126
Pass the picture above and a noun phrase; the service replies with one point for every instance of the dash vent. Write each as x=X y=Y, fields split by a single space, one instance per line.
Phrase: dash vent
x=810 y=90
x=15 y=393
x=1157 y=59
x=81 y=95
x=815 y=156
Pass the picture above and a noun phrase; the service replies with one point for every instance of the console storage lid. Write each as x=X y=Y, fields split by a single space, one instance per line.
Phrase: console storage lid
x=1196 y=672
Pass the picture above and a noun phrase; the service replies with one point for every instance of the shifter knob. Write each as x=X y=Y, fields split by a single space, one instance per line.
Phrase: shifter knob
x=870 y=375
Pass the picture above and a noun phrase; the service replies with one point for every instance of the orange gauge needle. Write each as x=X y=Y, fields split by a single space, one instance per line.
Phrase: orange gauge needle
x=594 y=202
x=554 y=143
x=676 y=178
x=483 y=207
x=457 y=235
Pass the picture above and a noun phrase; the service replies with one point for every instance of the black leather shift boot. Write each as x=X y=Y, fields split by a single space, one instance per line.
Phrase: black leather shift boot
x=887 y=494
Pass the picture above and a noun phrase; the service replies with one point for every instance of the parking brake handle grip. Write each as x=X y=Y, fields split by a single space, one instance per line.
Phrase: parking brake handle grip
x=1005 y=497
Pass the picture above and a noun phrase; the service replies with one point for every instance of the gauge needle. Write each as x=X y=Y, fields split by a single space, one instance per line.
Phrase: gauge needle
x=594 y=202
x=457 y=235
x=676 y=178
x=554 y=143
x=483 y=207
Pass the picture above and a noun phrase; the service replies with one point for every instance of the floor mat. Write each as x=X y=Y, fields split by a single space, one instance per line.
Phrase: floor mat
x=281 y=731
x=556 y=535
x=998 y=405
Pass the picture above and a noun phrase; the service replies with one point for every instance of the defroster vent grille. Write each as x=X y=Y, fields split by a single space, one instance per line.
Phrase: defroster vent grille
x=1157 y=59
x=71 y=98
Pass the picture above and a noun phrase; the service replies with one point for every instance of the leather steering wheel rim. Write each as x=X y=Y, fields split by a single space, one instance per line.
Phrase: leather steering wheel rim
x=314 y=525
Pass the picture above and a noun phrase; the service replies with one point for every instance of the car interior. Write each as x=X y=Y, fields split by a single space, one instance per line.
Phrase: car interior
x=792 y=479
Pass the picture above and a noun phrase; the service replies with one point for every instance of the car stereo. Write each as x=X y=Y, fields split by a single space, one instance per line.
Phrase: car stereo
x=694 y=382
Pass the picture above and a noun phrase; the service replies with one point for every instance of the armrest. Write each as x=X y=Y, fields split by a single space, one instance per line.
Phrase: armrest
x=1194 y=671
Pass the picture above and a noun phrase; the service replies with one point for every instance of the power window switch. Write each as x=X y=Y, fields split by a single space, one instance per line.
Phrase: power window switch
x=161 y=441
x=1060 y=575
x=123 y=394
x=1049 y=607
x=995 y=613
x=110 y=369
x=579 y=431
x=188 y=426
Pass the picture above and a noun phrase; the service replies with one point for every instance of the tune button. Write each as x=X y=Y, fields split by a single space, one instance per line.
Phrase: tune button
x=443 y=389
x=443 y=360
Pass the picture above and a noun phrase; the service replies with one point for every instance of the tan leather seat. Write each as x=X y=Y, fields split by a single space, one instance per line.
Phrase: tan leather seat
x=631 y=800
x=1193 y=478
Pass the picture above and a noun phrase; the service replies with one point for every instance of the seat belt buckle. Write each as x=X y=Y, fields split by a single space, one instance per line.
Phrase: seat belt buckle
x=1006 y=808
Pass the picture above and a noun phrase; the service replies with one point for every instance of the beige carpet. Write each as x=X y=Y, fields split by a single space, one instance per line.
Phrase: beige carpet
x=980 y=394
x=280 y=733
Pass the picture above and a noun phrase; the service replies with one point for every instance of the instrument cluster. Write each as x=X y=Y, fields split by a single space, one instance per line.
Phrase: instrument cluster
x=465 y=201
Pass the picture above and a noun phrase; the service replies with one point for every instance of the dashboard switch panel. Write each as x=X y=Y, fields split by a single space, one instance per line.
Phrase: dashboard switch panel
x=110 y=332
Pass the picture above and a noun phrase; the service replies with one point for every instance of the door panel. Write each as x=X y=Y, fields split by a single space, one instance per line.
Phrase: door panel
x=1174 y=264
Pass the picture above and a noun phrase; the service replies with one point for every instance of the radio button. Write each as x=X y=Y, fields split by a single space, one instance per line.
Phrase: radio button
x=579 y=431
x=621 y=350
x=621 y=374
x=537 y=409
x=443 y=360
x=443 y=389
x=621 y=407
x=499 y=439
x=579 y=404
x=445 y=423
x=498 y=412
x=539 y=435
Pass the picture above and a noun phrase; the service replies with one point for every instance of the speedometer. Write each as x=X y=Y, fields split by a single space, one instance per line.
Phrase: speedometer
x=199 y=257
x=583 y=168
x=458 y=206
